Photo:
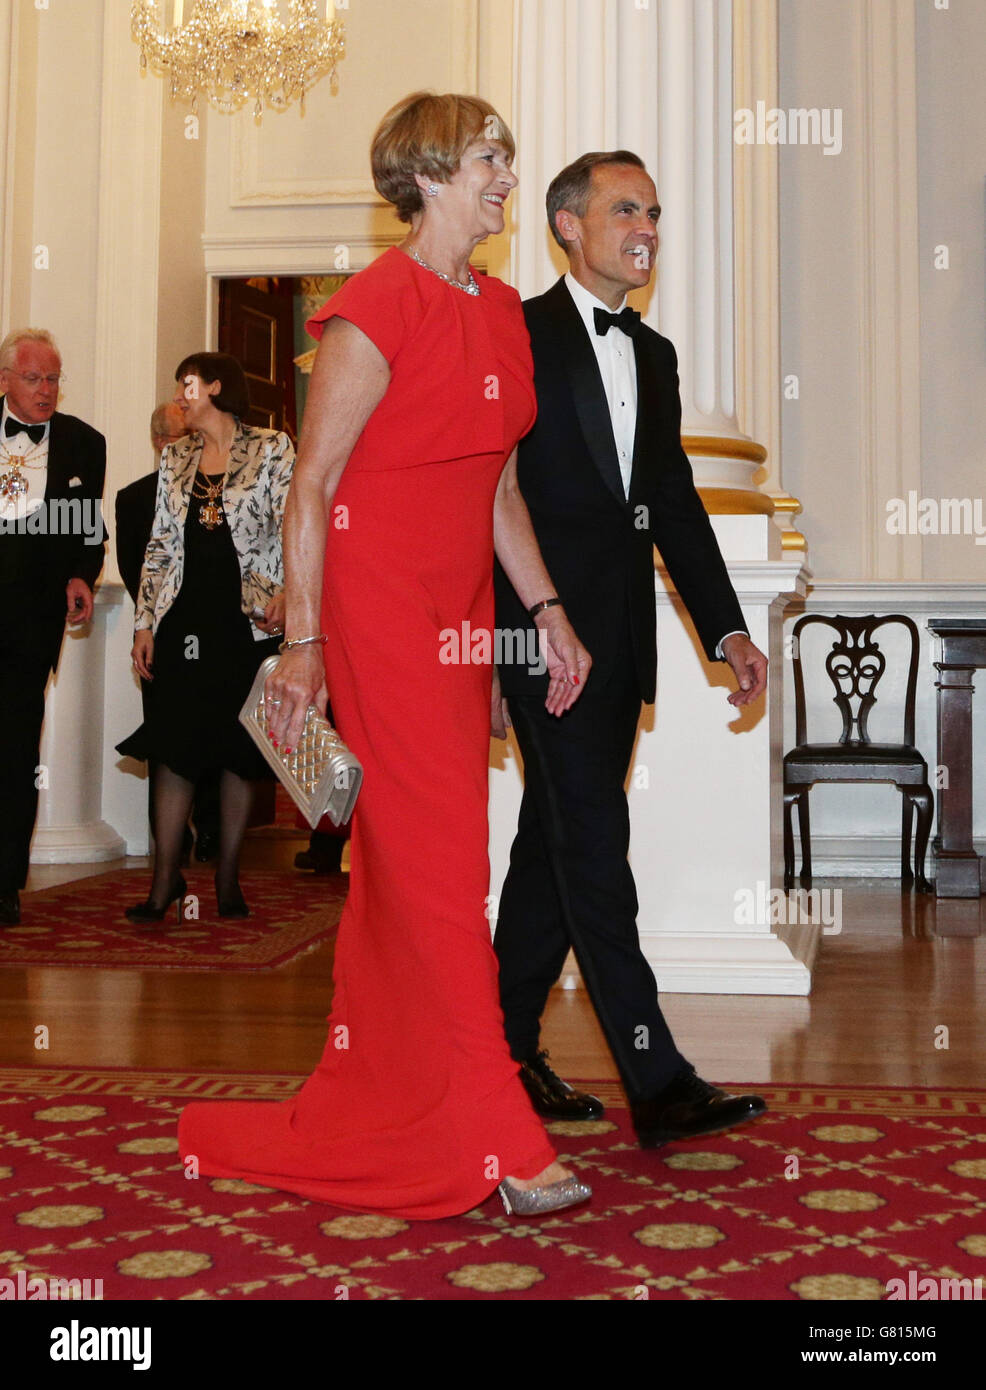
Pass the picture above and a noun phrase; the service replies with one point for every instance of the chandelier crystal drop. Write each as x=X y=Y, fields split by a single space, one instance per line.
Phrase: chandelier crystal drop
x=232 y=51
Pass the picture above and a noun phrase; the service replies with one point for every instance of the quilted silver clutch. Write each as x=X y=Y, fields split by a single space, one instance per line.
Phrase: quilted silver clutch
x=320 y=775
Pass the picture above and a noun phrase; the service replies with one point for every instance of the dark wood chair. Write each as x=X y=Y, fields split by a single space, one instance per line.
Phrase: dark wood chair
x=855 y=665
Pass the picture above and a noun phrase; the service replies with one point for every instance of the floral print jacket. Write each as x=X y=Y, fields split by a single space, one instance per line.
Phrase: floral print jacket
x=260 y=466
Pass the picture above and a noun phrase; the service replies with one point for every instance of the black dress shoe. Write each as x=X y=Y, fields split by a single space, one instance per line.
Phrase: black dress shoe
x=10 y=908
x=689 y=1107
x=553 y=1097
x=324 y=854
x=206 y=846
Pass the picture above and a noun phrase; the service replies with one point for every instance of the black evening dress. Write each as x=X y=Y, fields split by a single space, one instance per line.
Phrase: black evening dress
x=205 y=661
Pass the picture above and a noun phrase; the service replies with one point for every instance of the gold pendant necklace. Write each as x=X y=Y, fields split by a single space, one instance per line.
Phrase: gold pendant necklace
x=13 y=484
x=211 y=513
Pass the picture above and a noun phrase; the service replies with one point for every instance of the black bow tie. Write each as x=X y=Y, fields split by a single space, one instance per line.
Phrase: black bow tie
x=628 y=320
x=34 y=432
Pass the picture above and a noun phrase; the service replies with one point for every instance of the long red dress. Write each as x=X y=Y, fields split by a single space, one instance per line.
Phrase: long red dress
x=416 y=1108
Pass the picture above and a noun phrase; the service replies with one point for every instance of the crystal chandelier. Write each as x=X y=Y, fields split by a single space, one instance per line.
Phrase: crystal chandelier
x=232 y=50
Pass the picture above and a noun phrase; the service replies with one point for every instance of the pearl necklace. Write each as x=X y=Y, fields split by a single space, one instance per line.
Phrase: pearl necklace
x=471 y=288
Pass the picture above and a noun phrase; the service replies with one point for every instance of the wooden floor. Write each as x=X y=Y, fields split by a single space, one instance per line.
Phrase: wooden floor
x=903 y=969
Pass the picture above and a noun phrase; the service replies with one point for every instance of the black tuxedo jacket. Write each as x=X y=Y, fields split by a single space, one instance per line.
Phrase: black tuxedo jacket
x=134 y=520
x=35 y=567
x=596 y=543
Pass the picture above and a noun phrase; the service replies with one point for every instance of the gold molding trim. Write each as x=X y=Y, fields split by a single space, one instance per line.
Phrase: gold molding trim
x=793 y=540
x=721 y=446
x=730 y=501
x=784 y=502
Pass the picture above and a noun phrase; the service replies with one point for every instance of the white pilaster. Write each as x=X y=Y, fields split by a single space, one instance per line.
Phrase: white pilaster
x=889 y=341
x=70 y=827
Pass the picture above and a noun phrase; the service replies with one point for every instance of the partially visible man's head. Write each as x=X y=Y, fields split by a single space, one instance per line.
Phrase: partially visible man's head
x=167 y=425
x=603 y=210
x=30 y=370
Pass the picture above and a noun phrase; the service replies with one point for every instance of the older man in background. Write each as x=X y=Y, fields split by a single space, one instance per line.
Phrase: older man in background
x=51 y=552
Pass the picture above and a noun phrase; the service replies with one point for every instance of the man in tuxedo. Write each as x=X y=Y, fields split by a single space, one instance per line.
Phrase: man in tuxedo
x=51 y=552
x=134 y=513
x=605 y=479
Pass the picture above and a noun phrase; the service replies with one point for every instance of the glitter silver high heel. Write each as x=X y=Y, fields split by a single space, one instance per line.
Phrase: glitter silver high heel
x=538 y=1201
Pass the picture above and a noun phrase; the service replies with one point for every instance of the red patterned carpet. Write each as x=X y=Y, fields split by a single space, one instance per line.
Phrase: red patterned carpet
x=834 y=1192
x=82 y=923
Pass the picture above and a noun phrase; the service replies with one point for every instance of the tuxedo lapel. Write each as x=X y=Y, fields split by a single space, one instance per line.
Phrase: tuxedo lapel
x=582 y=370
x=56 y=483
x=646 y=429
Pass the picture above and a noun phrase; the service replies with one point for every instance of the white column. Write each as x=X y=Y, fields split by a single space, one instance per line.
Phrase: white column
x=70 y=828
x=655 y=78
x=704 y=790
x=96 y=205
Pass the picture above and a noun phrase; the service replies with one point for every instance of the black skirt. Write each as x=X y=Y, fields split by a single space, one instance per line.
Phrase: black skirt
x=205 y=661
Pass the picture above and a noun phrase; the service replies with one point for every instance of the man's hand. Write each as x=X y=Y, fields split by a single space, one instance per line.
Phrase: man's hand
x=78 y=597
x=749 y=666
x=273 y=620
x=568 y=661
x=499 y=713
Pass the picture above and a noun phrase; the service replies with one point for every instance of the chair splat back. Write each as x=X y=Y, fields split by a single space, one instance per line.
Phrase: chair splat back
x=855 y=665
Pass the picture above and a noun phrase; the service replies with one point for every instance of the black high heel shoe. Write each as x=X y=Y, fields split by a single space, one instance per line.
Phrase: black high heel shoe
x=231 y=907
x=145 y=913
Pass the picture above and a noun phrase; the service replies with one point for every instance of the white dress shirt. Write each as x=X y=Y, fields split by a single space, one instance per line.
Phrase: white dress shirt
x=618 y=369
x=35 y=472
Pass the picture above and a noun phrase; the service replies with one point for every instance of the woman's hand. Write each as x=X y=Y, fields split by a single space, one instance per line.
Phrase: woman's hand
x=142 y=653
x=273 y=620
x=568 y=661
x=298 y=682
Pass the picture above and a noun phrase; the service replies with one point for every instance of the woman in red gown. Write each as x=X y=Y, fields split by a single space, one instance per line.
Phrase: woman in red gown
x=405 y=478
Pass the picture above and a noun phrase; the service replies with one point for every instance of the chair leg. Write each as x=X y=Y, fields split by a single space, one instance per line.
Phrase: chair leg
x=789 y=799
x=804 y=829
x=906 y=817
x=925 y=803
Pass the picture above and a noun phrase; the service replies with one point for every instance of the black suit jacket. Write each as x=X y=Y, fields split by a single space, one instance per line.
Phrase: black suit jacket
x=596 y=543
x=134 y=520
x=37 y=566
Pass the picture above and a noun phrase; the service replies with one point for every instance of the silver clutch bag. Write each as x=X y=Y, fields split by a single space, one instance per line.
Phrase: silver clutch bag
x=321 y=776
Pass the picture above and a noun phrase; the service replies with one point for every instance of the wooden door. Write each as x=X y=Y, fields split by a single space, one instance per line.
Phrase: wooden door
x=256 y=326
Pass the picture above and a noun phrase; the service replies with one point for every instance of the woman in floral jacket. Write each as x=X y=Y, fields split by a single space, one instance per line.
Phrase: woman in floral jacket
x=210 y=608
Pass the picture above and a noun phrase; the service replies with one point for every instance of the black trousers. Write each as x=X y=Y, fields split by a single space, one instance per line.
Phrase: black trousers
x=569 y=883
x=26 y=649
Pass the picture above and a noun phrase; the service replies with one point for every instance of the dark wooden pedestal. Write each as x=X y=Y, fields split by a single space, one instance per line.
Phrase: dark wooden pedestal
x=959 y=872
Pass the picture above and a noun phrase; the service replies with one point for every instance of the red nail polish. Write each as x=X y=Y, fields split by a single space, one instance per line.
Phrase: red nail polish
x=273 y=740
x=575 y=680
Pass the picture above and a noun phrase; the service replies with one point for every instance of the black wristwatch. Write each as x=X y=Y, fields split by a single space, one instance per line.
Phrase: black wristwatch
x=540 y=607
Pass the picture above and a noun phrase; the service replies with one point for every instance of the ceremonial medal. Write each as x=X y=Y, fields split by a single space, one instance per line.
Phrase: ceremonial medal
x=211 y=512
x=13 y=484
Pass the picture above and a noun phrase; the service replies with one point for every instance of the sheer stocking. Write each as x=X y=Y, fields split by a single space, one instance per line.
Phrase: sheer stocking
x=235 y=799
x=172 y=803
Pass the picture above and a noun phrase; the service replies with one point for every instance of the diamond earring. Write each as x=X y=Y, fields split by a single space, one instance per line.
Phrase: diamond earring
x=432 y=189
